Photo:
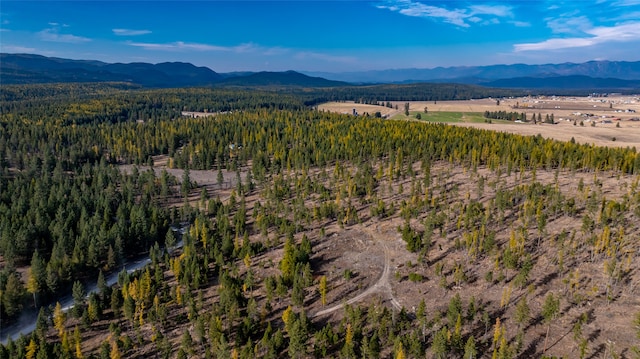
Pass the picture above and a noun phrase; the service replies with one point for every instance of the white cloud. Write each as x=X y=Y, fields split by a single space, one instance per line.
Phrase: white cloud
x=57 y=24
x=569 y=25
x=275 y=51
x=418 y=9
x=520 y=23
x=130 y=32
x=628 y=15
x=192 y=46
x=462 y=17
x=305 y=55
x=176 y=46
x=598 y=35
x=17 y=49
x=554 y=44
x=54 y=35
x=627 y=3
x=625 y=32
x=495 y=10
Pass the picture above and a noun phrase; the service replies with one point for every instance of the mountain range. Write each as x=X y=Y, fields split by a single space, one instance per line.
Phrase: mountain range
x=596 y=75
x=623 y=70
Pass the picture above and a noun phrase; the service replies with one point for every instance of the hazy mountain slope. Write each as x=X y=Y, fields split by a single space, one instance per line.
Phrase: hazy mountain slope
x=287 y=78
x=564 y=82
x=473 y=74
x=596 y=75
x=26 y=68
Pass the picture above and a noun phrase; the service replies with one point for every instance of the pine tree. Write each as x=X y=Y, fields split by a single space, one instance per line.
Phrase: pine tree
x=32 y=285
x=78 y=343
x=102 y=286
x=115 y=351
x=323 y=289
x=550 y=310
x=297 y=336
x=522 y=312
x=59 y=319
x=470 y=351
x=439 y=347
x=400 y=351
x=31 y=349
x=12 y=295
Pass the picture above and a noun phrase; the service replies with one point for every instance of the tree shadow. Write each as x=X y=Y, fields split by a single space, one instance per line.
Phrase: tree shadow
x=598 y=351
x=547 y=279
x=559 y=339
x=531 y=350
x=594 y=335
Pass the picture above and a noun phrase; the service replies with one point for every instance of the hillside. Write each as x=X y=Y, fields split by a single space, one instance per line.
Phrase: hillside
x=287 y=78
x=477 y=74
x=25 y=68
x=28 y=69
x=592 y=76
x=575 y=82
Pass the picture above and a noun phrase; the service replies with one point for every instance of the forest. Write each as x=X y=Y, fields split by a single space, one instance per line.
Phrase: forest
x=521 y=246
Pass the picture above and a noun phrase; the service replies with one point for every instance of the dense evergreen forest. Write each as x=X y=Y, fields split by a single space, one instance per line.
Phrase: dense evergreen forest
x=375 y=94
x=69 y=214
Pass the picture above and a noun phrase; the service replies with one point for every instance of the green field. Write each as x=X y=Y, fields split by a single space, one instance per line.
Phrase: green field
x=447 y=117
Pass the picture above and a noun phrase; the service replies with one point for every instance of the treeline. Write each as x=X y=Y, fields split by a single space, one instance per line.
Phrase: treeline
x=407 y=92
x=61 y=91
x=285 y=139
x=66 y=104
x=518 y=116
x=504 y=115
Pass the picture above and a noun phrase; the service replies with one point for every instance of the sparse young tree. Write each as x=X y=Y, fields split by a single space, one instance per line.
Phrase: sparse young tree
x=522 y=312
x=59 y=319
x=470 y=350
x=322 y=287
x=550 y=310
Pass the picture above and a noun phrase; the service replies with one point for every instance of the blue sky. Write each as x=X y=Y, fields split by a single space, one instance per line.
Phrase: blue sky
x=332 y=36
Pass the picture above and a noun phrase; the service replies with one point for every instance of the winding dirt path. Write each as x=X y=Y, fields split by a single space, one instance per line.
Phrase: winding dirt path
x=382 y=286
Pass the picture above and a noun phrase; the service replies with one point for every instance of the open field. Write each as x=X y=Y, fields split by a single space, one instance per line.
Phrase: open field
x=605 y=112
x=348 y=107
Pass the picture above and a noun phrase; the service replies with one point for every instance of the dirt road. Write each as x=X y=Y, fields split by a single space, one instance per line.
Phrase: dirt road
x=382 y=286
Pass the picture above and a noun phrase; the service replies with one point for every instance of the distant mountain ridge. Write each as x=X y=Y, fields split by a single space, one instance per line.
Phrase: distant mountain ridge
x=27 y=68
x=483 y=74
x=593 y=75
x=564 y=82
x=286 y=78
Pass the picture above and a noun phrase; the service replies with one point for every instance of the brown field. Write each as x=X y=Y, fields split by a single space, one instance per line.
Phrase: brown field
x=566 y=110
